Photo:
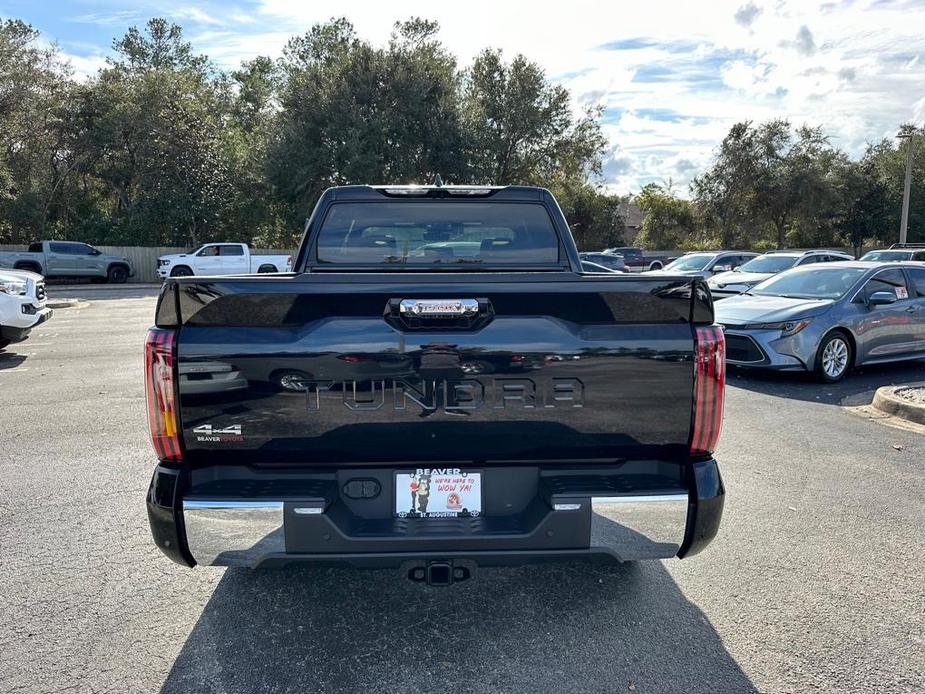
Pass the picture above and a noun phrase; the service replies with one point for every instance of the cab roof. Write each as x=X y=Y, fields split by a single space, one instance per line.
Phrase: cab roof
x=455 y=192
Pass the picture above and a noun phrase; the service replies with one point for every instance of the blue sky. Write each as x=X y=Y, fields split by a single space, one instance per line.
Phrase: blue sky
x=672 y=77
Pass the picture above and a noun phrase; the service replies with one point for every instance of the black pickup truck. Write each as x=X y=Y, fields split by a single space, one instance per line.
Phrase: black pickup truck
x=435 y=387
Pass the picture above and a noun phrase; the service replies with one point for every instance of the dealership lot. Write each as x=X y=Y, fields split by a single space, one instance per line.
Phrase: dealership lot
x=817 y=580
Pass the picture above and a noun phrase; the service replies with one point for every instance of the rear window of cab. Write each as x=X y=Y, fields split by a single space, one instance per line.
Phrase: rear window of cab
x=437 y=233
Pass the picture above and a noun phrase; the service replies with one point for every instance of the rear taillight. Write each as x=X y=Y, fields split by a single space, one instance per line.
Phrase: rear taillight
x=709 y=388
x=160 y=387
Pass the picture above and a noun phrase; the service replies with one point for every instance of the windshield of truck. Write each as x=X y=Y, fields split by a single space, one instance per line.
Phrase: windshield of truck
x=768 y=263
x=437 y=233
x=813 y=282
x=695 y=261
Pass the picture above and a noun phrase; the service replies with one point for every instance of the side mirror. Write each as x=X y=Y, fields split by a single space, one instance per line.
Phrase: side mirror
x=96 y=252
x=721 y=268
x=881 y=299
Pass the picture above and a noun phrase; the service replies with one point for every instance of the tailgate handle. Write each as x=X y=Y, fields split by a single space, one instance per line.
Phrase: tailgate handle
x=422 y=314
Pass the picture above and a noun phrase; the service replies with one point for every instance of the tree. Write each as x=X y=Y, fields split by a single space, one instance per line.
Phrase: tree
x=769 y=184
x=725 y=193
x=595 y=218
x=153 y=138
x=520 y=128
x=791 y=174
x=668 y=221
x=159 y=47
x=888 y=159
x=35 y=133
x=865 y=198
x=352 y=113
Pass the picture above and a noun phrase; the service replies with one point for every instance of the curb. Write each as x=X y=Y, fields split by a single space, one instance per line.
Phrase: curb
x=886 y=400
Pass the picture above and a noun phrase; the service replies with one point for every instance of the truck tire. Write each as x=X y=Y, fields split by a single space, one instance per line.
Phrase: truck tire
x=118 y=274
x=834 y=357
x=267 y=268
x=656 y=265
x=28 y=267
x=181 y=271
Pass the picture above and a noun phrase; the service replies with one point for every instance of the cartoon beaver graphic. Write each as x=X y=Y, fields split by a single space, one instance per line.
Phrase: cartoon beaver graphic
x=423 y=493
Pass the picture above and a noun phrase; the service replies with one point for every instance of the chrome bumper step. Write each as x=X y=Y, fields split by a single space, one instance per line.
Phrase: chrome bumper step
x=242 y=532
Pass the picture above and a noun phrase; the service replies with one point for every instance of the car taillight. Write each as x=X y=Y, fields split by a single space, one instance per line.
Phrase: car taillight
x=709 y=388
x=160 y=387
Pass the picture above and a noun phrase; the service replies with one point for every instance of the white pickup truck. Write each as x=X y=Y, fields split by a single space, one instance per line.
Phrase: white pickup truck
x=221 y=259
x=22 y=305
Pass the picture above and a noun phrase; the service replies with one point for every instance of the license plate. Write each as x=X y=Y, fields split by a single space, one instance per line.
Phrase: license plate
x=438 y=493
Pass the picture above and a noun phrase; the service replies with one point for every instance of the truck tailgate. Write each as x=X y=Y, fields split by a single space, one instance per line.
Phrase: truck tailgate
x=328 y=368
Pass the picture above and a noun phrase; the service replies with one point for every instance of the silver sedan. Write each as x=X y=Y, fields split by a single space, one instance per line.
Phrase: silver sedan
x=828 y=318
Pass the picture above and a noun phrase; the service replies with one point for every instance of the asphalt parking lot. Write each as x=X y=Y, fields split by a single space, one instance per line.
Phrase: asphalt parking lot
x=816 y=582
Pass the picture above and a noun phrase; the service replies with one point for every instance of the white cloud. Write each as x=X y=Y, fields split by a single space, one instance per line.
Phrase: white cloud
x=85 y=66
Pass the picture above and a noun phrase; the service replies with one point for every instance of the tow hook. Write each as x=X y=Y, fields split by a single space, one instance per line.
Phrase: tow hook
x=439 y=573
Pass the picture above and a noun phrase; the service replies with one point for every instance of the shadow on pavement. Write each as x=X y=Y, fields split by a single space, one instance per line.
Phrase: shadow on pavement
x=857 y=388
x=10 y=359
x=556 y=627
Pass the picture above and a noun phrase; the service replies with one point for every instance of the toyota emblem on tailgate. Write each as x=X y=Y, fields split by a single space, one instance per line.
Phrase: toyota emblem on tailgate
x=439 y=307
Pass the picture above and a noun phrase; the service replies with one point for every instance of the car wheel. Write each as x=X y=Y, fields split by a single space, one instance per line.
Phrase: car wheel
x=117 y=274
x=181 y=271
x=656 y=266
x=833 y=358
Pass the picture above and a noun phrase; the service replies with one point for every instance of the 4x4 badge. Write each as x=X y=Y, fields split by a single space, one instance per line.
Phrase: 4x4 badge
x=209 y=430
x=208 y=433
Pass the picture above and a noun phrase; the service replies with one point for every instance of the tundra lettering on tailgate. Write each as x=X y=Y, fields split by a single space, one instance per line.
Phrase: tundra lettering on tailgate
x=439 y=394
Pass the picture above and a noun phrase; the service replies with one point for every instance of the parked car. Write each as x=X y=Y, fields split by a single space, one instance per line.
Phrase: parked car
x=435 y=412
x=221 y=259
x=705 y=264
x=22 y=305
x=898 y=251
x=759 y=269
x=57 y=259
x=637 y=260
x=828 y=318
x=611 y=261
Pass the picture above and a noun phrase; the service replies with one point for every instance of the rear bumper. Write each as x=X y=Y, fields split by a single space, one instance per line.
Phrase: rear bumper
x=565 y=521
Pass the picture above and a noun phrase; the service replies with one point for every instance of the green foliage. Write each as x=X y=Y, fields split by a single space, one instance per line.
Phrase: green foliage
x=772 y=186
x=352 y=113
x=595 y=218
x=668 y=221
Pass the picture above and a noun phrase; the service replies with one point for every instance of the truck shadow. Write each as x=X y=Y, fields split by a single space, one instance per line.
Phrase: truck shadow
x=10 y=360
x=857 y=388
x=553 y=627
